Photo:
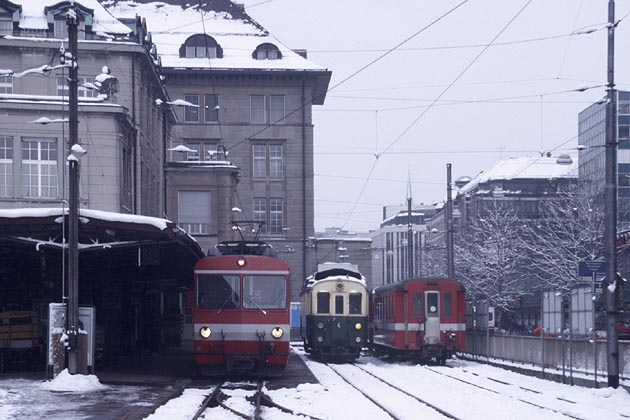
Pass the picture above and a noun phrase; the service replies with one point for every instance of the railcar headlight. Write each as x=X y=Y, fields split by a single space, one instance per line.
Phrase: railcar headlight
x=358 y=339
x=320 y=325
x=320 y=338
x=277 y=333
x=358 y=326
x=241 y=262
x=205 y=332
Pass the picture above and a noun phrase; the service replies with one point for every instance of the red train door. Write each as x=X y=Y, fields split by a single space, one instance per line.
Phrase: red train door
x=431 y=317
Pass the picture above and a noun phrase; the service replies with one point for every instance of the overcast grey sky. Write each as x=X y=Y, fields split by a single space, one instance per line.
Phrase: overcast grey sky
x=517 y=98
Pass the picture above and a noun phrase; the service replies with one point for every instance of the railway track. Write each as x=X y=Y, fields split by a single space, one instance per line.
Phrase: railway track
x=506 y=386
x=380 y=396
x=258 y=400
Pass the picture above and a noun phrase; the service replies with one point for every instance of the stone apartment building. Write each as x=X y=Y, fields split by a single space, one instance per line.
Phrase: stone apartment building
x=243 y=139
x=245 y=125
x=124 y=132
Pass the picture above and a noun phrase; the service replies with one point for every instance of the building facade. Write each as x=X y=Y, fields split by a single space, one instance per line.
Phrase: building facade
x=592 y=154
x=121 y=128
x=390 y=243
x=247 y=98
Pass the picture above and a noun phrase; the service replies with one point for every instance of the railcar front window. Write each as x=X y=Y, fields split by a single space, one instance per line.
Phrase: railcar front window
x=432 y=307
x=218 y=291
x=265 y=292
x=323 y=303
x=338 y=304
x=355 y=303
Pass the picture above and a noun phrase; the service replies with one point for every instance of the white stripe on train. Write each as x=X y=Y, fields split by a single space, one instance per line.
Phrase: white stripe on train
x=389 y=326
x=242 y=332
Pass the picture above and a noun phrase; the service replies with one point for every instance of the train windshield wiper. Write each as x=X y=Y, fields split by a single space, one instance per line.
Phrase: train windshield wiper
x=256 y=305
x=224 y=303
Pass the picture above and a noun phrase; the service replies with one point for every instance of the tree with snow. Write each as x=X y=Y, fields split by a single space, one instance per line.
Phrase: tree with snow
x=489 y=254
x=569 y=230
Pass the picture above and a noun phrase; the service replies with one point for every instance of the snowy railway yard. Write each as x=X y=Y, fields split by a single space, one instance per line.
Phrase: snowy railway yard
x=371 y=388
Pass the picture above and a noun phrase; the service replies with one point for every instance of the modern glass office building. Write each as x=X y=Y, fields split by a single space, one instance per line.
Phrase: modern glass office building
x=592 y=156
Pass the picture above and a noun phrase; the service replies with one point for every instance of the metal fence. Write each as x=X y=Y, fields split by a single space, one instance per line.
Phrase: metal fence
x=577 y=355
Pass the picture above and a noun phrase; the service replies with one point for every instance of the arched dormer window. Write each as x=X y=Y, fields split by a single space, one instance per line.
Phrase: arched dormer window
x=200 y=46
x=56 y=17
x=267 y=51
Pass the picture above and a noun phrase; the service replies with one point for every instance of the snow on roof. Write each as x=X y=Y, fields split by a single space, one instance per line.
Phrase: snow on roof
x=524 y=168
x=170 y=25
x=87 y=213
x=33 y=16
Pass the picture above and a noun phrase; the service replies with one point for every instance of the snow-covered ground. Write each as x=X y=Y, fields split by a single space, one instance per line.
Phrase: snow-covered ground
x=464 y=389
x=503 y=395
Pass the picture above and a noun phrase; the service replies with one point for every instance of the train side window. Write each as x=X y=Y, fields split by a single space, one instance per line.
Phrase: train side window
x=323 y=303
x=432 y=305
x=338 y=304
x=355 y=303
x=417 y=304
x=448 y=304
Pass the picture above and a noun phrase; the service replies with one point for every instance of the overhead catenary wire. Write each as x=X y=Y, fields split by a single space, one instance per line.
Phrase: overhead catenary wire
x=354 y=74
x=444 y=91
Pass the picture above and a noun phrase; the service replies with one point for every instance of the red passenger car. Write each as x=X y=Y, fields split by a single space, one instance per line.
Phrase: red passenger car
x=241 y=312
x=424 y=317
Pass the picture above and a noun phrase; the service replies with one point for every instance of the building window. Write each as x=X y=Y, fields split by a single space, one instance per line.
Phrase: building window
x=201 y=151
x=83 y=92
x=268 y=161
x=260 y=107
x=194 y=211
x=260 y=213
x=275 y=215
x=211 y=108
x=6 y=84
x=200 y=46
x=39 y=167
x=267 y=51
x=257 y=109
x=60 y=28
x=191 y=113
x=276 y=109
x=127 y=178
x=6 y=166
x=6 y=24
x=270 y=213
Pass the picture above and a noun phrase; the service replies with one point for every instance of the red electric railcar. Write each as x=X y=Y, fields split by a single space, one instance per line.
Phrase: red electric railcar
x=240 y=313
x=423 y=317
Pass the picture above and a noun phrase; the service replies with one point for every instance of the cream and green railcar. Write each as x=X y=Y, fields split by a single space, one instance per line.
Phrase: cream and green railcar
x=334 y=311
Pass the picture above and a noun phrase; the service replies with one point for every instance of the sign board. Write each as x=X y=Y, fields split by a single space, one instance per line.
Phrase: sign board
x=490 y=317
x=592 y=271
x=591 y=268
